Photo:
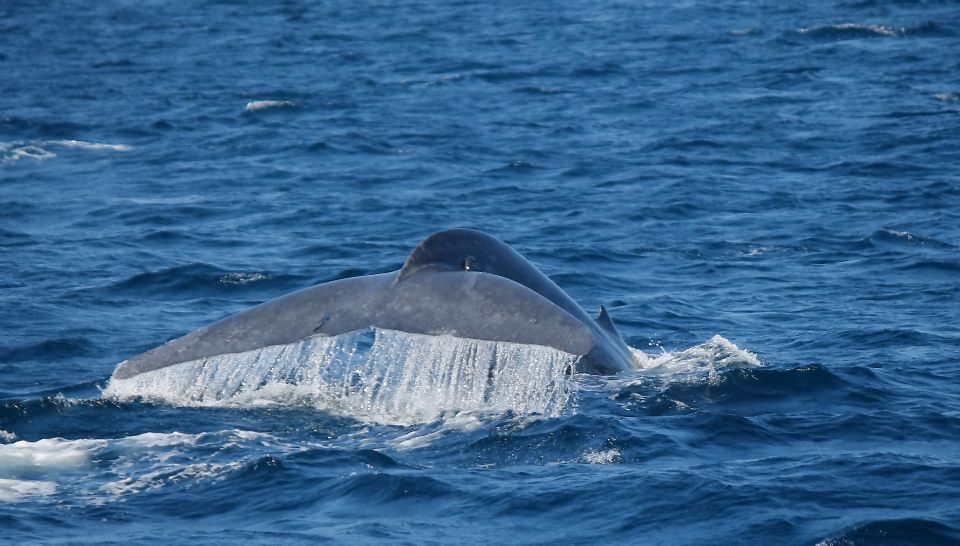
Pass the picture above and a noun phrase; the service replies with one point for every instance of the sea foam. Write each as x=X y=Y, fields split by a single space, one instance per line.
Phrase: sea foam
x=711 y=356
x=88 y=468
x=256 y=105
x=42 y=150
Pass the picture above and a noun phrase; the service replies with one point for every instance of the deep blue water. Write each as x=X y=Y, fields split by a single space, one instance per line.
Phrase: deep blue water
x=785 y=178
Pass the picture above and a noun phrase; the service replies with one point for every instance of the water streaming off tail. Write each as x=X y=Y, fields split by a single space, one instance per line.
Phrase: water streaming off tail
x=374 y=375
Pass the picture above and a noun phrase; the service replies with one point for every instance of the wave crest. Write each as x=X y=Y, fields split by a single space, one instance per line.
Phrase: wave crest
x=710 y=356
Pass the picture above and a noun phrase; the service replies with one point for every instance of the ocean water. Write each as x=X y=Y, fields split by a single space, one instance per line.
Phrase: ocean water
x=766 y=198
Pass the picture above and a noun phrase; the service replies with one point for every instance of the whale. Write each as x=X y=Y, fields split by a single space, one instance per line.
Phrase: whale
x=460 y=282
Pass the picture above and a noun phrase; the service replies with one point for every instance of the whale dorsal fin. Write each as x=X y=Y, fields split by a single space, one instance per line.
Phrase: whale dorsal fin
x=606 y=322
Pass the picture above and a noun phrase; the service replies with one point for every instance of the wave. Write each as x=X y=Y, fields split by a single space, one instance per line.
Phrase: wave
x=856 y=31
x=38 y=129
x=20 y=490
x=515 y=166
x=948 y=268
x=114 y=63
x=896 y=531
x=48 y=350
x=15 y=151
x=750 y=386
x=260 y=105
x=25 y=459
x=84 y=145
x=193 y=279
x=893 y=337
x=94 y=468
x=42 y=150
x=711 y=356
x=382 y=488
x=716 y=372
x=14 y=238
x=889 y=238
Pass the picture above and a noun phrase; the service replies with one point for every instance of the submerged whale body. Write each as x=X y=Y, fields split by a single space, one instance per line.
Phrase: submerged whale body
x=459 y=282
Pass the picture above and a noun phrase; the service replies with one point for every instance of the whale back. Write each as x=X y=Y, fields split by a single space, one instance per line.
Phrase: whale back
x=469 y=250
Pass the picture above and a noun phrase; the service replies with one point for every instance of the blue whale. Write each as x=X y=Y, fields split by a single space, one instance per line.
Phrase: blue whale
x=460 y=282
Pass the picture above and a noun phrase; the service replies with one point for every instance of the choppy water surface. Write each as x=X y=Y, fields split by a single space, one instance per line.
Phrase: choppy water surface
x=766 y=198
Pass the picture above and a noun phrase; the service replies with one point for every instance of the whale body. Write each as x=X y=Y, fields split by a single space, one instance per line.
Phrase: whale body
x=459 y=282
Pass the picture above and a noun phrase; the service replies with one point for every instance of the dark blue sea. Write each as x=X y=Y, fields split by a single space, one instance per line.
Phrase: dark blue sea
x=766 y=197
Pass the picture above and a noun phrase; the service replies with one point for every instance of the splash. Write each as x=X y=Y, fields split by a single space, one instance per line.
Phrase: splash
x=609 y=456
x=709 y=357
x=397 y=378
x=706 y=364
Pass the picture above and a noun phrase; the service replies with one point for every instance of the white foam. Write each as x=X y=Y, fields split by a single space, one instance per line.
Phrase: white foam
x=149 y=440
x=25 y=459
x=757 y=250
x=53 y=455
x=602 y=457
x=880 y=30
x=713 y=355
x=165 y=475
x=256 y=105
x=40 y=150
x=415 y=440
x=236 y=278
x=179 y=200
x=7 y=436
x=17 y=490
x=152 y=461
x=451 y=423
x=96 y=146
x=15 y=151
x=401 y=379
x=119 y=466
